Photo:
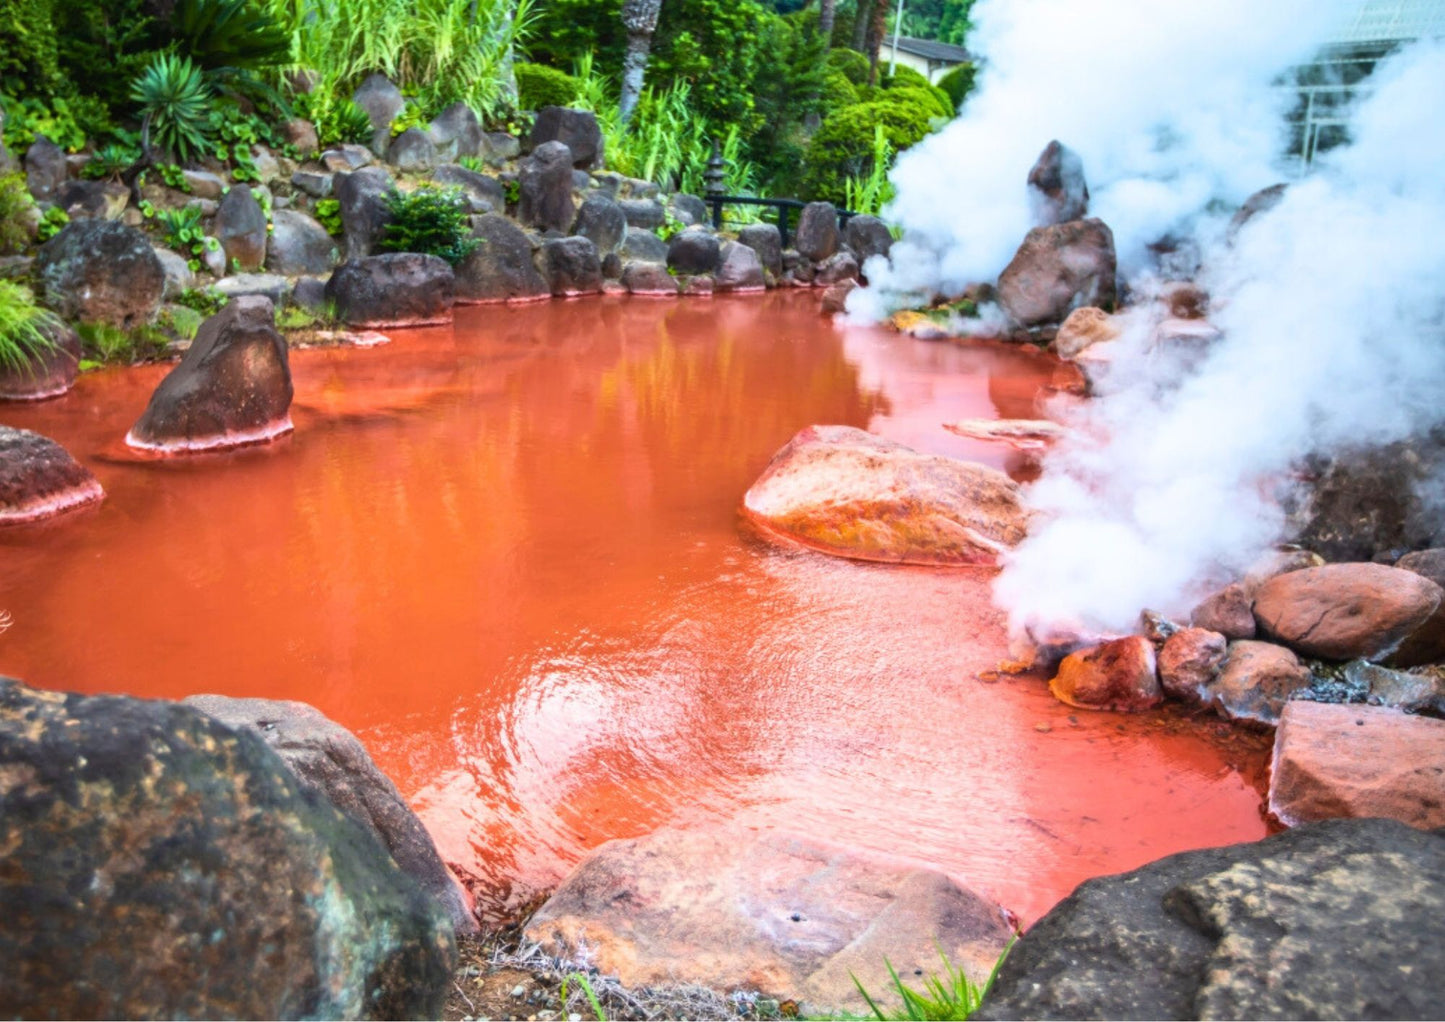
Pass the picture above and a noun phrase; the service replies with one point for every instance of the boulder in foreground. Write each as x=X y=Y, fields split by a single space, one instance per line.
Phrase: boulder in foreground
x=1344 y=919
x=845 y=491
x=158 y=864
x=786 y=916
x=39 y=479
x=1058 y=269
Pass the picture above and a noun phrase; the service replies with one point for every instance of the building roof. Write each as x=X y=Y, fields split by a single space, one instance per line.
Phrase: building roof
x=1392 y=20
x=930 y=49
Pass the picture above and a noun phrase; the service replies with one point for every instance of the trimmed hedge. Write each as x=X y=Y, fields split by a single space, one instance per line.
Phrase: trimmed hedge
x=958 y=83
x=851 y=63
x=539 y=85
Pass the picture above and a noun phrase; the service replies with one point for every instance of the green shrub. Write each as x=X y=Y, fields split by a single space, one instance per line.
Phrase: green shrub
x=539 y=85
x=958 y=83
x=51 y=224
x=175 y=102
x=184 y=233
x=109 y=161
x=843 y=147
x=433 y=221
x=951 y=997
x=935 y=101
x=28 y=41
x=903 y=77
x=203 y=300
x=838 y=91
x=328 y=215
x=106 y=343
x=851 y=63
x=337 y=119
x=411 y=116
x=15 y=207
x=54 y=118
x=25 y=328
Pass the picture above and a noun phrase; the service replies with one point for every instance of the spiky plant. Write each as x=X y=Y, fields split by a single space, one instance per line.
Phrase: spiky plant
x=26 y=330
x=174 y=99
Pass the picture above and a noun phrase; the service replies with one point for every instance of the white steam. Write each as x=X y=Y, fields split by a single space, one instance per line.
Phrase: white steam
x=1331 y=304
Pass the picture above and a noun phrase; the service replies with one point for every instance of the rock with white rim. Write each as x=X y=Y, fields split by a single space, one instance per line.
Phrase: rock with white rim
x=39 y=479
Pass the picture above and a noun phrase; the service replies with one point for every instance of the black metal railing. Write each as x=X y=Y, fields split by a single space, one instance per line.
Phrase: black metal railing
x=784 y=207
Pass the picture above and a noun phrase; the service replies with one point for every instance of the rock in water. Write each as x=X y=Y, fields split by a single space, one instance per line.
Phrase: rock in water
x=1057 y=189
x=649 y=279
x=572 y=266
x=1357 y=761
x=786 y=916
x=48 y=375
x=739 y=269
x=329 y=760
x=396 y=289
x=39 y=479
x=232 y=387
x=501 y=268
x=1058 y=269
x=844 y=491
x=1344 y=919
x=692 y=251
x=1025 y=434
x=1343 y=611
x=1082 y=328
x=101 y=271
x=158 y=864
x=1116 y=675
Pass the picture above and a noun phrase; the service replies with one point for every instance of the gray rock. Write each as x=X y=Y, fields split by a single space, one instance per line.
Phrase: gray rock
x=581 y=182
x=817 y=233
x=456 y=132
x=611 y=266
x=1413 y=693
x=208 y=207
x=645 y=213
x=545 y=182
x=1255 y=681
x=502 y=267
x=301 y=133
x=1329 y=920
x=767 y=241
x=498 y=147
x=309 y=293
x=1057 y=190
x=867 y=236
x=572 y=266
x=382 y=101
x=576 y=129
x=608 y=183
x=641 y=245
x=689 y=209
x=268 y=169
x=44 y=375
x=838 y=267
x=396 y=289
x=412 y=152
x=343 y=159
x=101 y=271
x=203 y=184
x=45 y=168
x=178 y=275
x=317 y=185
x=298 y=245
x=241 y=229
x=637 y=188
x=484 y=193
x=364 y=210
x=693 y=251
x=648 y=279
x=329 y=760
x=1058 y=269
x=739 y=269
x=155 y=856
x=601 y=221
x=270 y=286
x=92 y=200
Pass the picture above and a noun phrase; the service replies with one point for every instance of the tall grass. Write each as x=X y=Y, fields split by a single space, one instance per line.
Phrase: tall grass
x=25 y=328
x=870 y=192
x=950 y=997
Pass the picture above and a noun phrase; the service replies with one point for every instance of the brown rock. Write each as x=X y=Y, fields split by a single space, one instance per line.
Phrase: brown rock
x=1057 y=189
x=1256 y=680
x=1357 y=761
x=786 y=916
x=835 y=298
x=1082 y=328
x=1426 y=645
x=1184 y=300
x=1278 y=562
x=1343 y=611
x=1058 y=269
x=1117 y=675
x=1229 y=612
x=844 y=491
x=1024 y=434
x=39 y=479
x=50 y=375
x=1190 y=661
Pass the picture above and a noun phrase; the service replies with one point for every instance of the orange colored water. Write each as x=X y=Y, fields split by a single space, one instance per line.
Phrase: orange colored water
x=508 y=555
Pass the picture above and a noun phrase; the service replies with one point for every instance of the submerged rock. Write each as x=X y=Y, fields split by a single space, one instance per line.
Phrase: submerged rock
x=396 y=289
x=1082 y=328
x=1343 y=611
x=160 y=864
x=39 y=479
x=1116 y=675
x=1344 y=919
x=232 y=386
x=1058 y=269
x=786 y=916
x=101 y=271
x=847 y=492
x=1356 y=761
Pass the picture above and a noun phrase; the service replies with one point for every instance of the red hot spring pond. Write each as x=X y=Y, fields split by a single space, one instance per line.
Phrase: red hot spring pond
x=508 y=555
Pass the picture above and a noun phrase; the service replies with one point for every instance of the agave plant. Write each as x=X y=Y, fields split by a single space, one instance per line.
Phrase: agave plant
x=175 y=100
x=26 y=330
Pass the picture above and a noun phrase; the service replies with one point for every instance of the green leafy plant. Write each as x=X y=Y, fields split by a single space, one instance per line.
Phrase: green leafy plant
x=473 y=163
x=582 y=981
x=109 y=161
x=184 y=233
x=173 y=177
x=204 y=300
x=328 y=215
x=512 y=192
x=181 y=321
x=432 y=221
x=108 y=343
x=872 y=191
x=174 y=99
x=15 y=205
x=337 y=119
x=951 y=997
x=52 y=223
x=26 y=330
x=28 y=118
x=958 y=83
x=411 y=116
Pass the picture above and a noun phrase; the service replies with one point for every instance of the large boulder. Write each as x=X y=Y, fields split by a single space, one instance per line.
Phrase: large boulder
x=1343 y=611
x=364 y=209
x=392 y=290
x=576 y=129
x=602 y=222
x=412 y=152
x=544 y=180
x=39 y=479
x=649 y=279
x=767 y=241
x=847 y=492
x=646 y=214
x=241 y=229
x=1426 y=645
x=788 y=917
x=867 y=236
x=693 y=251
x=1058 y=269
x=1255 y=681
x=1356 y=761
x=1116 y=675
x=643 y=246
x=232 y=386
x=484 y=193
x=45 y=375
x=298 y=245
x=817 y=233
x=101 y=271
x=45 y=168
x=572 y=267
x=1057 y=190
x=739 y=269
x=838 y=267
x=382 y=101
x=159 y=864
x=329 y=760
x=456 y=132
x=1344 y=919
x=501 y=268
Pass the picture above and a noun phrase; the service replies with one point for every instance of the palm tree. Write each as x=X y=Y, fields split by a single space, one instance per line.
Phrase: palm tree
x=640 y=19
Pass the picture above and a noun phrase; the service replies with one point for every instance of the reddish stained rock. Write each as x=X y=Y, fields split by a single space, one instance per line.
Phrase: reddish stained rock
x=847 y=492
x=1344 y=611
x=39 y=479
x=1056 y=270
x=1084 y=327
x=791 y=918
x=1189 y=661
x=1255 y=682
x=835 y=298
x=1278 y=562
x=1357 y=761
x=1229 y=612
x=1426 y=645
x=1117 y=675
x=1025 y=434
x=51 y=375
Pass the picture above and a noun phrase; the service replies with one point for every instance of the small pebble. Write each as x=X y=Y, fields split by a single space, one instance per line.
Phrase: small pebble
x=1045 y=728
x=518 y=990
x=574 y=1017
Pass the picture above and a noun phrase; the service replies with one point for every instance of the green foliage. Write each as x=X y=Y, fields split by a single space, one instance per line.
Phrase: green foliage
x=237 y=35
x=903 y=77
x=204 y=300
x=539 y=86
x=838 y=91
x=411 y=116
x=946 y=998
x=173 y=177
x=791 y=85
x=184 y=233
x=433 y=221
x=512 y=192
x=328 y=215
x=25 y=328
x=843 y=147
x=337 y=120
x=958 y=83
x=51 y=224
x=15 y=207
x=104 y=45
x=175 y=101
x=592 y=1002
x=713 y=45
x=28 y=42
x=935 y=101
x=107 y=343
x=109 y=160
x=852 y=64
x=872 y=191
x=25 y=119
x=180 y=320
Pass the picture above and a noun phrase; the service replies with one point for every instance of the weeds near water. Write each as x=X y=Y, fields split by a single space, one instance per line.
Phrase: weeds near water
x=26 y=330
x=951 y=996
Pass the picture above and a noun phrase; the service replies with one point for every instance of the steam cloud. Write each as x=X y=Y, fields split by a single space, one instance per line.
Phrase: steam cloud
x=1331 y=304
